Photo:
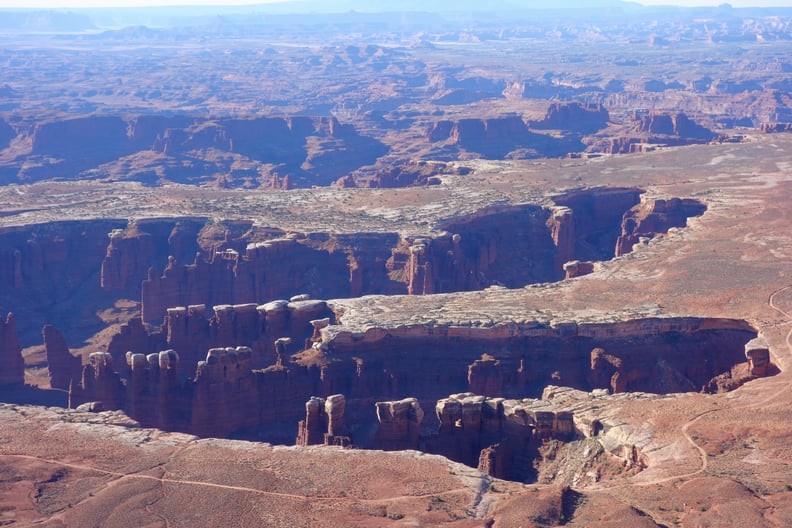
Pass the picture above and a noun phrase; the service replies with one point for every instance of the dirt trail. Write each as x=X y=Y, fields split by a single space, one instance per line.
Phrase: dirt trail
x=754 y=404
x=167 y=480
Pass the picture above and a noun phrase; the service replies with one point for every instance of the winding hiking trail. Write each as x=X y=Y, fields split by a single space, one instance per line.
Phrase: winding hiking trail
x=167 y=480
x=703 y=456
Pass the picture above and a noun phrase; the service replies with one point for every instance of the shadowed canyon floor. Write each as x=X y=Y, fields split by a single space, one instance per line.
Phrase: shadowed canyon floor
x=720 y=459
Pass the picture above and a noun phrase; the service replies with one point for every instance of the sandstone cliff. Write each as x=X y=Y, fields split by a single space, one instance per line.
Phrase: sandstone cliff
x=594 y=217
x=64 y=368
x=277 y=152
x=414 y=173
x=6 y=133
x=574 y=116
x=225 y=393
x=192 y=330
x=655 y=216
x=12 y=366
x=145 y=243
x=657 y=123
x=100 y=383
x=237 y=265
x=497 y=138
x=400 y=369
x=154 y=394
x=655 y=128
x=656 y=355
x=498 y=435
x=188 y=262
x=398 y=424
x=324 y=422
x=57 y=265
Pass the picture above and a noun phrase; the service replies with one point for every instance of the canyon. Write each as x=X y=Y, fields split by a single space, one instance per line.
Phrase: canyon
x=516 y=388
x=197 y=262
x=354 y=268
x=512 y=373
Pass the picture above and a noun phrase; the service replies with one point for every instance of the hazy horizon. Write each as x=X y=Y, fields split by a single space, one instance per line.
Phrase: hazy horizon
x=76 y=4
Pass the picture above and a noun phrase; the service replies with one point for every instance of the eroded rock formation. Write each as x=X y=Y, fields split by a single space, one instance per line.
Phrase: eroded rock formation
x=655 y=128
x=257 y=271
x=758 y=355
x=660 y=355
x=655 y=216
x=12 y=365
x=192 y=261
x=225 y=393
x=759 y=364
x=573 y=116
x=414 y=173
x=497 y=138
x=227 y=396
x=498 y=435
x=64 y=368
x=100 y=382
x=398 y=424
x=145 y=243
x=275 y=152
x=577 y=268
x=596 y=215
x=513 y=246
x=658 y=123
x=154 y=393
x=324 y=422
x=485 y=376
x=52 y=264
x=190 y=330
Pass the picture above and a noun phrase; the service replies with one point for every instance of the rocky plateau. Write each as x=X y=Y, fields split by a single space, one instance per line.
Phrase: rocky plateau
x=339 y=270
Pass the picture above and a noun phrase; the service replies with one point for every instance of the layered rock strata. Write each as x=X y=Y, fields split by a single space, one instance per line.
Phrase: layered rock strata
x=100 y=382
x=654 y=216
x=573 y=116
x=577 y=268
x=496 y=138
x=258 y=152
x=226 y=396
x=190 y=330
x=513 y=246
x=224 y=393
x=398 y=424
x=647 y=130
x=154 y=394
x=498 y=435
x=654 y=355
x=52 y=264
x=168 y=263
x=758 y=355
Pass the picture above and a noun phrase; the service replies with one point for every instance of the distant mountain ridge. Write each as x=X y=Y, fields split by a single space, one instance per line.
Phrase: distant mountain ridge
x=72 y=20
x=81 y=19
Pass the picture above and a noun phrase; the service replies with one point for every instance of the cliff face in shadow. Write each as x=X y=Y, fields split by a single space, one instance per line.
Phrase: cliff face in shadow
x=77 y=268
x=276 y=152
x=224 y=395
